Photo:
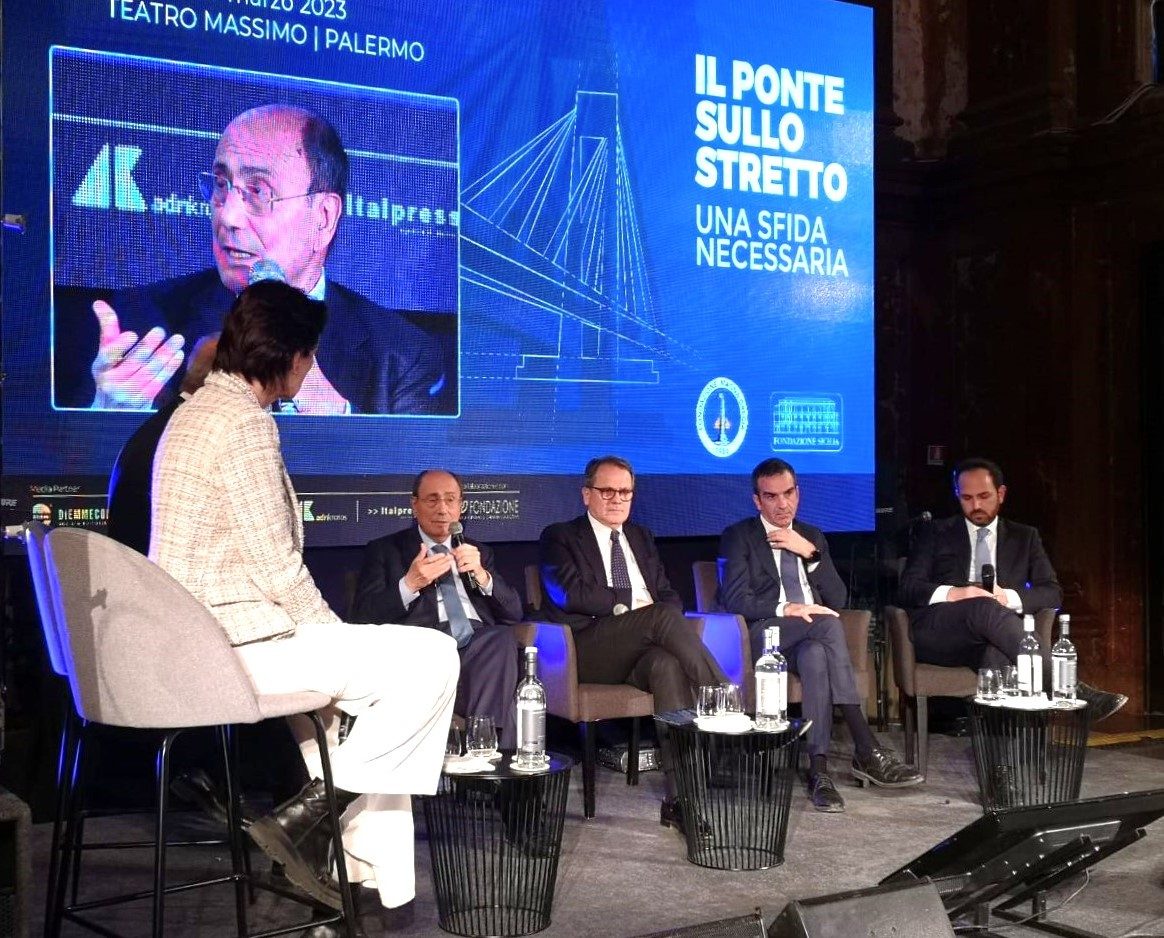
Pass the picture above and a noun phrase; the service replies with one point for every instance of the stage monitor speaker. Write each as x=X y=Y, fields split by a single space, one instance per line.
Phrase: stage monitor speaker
x=745 y=926
x=911 y=910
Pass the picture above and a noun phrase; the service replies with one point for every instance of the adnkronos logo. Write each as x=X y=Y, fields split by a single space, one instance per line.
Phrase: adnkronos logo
x=721 y=417
x=109 y=181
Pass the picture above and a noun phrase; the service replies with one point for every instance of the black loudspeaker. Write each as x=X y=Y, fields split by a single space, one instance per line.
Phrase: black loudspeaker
x=746 y=926
x=15 y=865
x=912 y=910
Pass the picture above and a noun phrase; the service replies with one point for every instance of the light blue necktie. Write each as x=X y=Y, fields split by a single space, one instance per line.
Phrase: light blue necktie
x=459 y=626
x=982 y=551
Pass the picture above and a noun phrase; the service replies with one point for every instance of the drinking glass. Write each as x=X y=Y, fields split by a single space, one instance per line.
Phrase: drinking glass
x=705 y=703
x=729 y=699
x=482 y=735
x=1009 y=683
x=987 y=684
x=453 y=744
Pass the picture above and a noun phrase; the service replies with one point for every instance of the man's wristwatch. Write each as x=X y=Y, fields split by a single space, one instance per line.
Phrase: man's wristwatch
x=619 y=609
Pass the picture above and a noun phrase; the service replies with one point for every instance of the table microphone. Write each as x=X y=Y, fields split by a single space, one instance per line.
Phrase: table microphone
x=457 y=536
x=988 y=578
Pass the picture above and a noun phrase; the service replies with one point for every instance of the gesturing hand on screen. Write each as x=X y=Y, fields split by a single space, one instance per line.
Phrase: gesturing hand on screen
x=128 y=371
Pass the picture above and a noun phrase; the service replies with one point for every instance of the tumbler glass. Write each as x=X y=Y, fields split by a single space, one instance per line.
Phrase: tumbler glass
x=988 y=684
x=481 y=734
x=705 y=702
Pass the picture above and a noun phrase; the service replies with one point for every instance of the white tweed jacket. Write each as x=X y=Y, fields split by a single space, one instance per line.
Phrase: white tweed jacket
x=226 y=523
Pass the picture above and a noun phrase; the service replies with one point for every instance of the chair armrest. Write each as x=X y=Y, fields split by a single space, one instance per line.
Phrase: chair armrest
x=904 y=659
x=856 y=625
x=557 y=664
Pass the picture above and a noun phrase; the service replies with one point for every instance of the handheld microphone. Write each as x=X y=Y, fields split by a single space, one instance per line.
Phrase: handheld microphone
x=265 y=269
x=457 y=536
x=988 y=577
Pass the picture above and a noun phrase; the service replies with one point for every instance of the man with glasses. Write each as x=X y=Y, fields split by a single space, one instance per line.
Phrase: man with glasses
x=777 y=571
x=276 y=195
x=427 y=577
x=602 y=576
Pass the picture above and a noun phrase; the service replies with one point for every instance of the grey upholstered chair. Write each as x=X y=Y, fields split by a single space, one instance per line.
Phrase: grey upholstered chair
x=142 y=653
x=587 y=704
x=917 y=682
x=582 y=704
x=855 y=623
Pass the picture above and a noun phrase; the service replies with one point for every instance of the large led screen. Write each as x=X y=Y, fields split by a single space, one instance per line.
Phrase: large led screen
x=568 y=228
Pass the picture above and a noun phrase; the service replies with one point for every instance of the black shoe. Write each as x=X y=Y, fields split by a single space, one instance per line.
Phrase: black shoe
x=296 y=836
x=824 y=795
x=671 y=815
x=885 y=770
x=195 y=787
x=1102 y=703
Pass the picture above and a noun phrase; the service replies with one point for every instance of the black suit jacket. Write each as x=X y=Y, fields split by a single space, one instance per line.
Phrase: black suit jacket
x=387 y=559
x=751 y=579
x=374 y=357
x=941 y=557
x=129 y=502
x=574 y=578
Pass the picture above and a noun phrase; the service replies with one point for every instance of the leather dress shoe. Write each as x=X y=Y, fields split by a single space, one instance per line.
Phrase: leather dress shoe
x=296 y=836
x=884 y=769
x=671 y=815
x=1102 y=703
x=824 y=795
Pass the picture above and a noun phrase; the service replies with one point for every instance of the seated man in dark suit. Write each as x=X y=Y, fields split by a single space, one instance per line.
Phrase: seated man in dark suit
x=778 y=571
x=954 y=621
x=129 y=502
x=408 y=577
x=628 y=622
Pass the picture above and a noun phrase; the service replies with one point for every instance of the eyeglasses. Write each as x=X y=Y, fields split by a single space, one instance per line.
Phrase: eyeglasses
x=258 y=198
x=608 y=494
x=433 y=500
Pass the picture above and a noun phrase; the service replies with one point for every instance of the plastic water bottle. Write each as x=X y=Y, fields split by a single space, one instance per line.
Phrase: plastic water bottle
x=771 y=684
x=530 y=700
x=1063 y=662
x=1030 y=661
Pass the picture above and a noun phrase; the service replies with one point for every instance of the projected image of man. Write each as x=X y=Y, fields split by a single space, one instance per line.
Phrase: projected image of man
x=276 y=192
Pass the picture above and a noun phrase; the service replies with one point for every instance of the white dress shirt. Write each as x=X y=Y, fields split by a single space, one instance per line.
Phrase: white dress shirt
x=640 y=595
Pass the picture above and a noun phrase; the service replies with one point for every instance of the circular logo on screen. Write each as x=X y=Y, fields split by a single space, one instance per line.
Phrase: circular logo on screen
x=721 y=417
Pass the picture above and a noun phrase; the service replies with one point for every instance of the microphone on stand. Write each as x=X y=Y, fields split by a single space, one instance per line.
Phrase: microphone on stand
x=988 y=578
x=457 y=536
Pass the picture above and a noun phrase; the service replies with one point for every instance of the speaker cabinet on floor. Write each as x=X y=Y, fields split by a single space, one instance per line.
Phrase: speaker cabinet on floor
x=911 y=910
x=745 y=926
x=15 y=865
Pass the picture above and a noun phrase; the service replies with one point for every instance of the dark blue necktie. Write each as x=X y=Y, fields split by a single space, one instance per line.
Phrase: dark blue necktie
x=619 y=572
x=459 y=626
x=790 y=577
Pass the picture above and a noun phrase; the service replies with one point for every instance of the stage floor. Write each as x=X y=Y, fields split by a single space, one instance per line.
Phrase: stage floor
x=622 y=874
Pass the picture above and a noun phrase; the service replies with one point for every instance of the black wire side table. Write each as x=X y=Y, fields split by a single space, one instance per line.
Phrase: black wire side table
x=494 y=840
x=1028 y=757
x=736 y=791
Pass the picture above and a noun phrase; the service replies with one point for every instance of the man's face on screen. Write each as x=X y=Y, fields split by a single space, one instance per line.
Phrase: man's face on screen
x=262 y=153
x=612 y=481
x=437 y=504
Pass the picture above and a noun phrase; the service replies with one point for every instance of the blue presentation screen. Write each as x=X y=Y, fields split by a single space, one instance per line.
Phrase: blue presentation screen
x=570 y=228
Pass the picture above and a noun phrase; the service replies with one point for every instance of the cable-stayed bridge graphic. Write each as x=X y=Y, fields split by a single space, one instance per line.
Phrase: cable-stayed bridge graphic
x=553 y=227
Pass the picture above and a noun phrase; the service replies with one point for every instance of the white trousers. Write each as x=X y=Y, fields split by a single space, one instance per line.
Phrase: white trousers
x=401 y=682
